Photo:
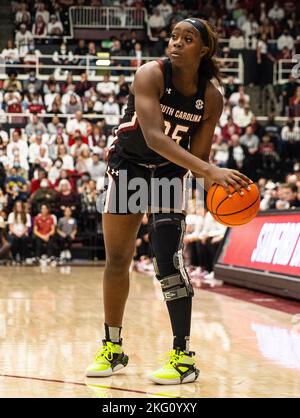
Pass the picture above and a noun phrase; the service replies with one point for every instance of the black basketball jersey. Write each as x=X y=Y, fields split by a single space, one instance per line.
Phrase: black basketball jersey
x=182 y=116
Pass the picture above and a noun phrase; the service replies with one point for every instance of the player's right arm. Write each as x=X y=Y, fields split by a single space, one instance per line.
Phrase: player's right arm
x=147 y=88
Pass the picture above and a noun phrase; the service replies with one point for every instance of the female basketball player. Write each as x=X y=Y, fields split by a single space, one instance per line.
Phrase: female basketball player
x=168 y=127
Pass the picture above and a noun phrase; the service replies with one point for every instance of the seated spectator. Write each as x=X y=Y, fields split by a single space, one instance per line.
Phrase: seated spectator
x=250 y=29
x=4 y=244
x=83 y=85
x=165 y=9
x=73 y=105
x=42 y=11
x=22 y=14
x=55 y=170
x=137 y=53
x=97 y=168
x=230 y=129
x=289 y=195
x=44 y=231
x=55 y=27
x=10 y=54
x=35 y=126
x=55 y=126
x=16 y=187
x=117 y=51
x=238 y=155
x=34 y=103
x=160 y=46
x=19 y=223
x=45 y=195
x=112 y=108
x=240 y=94
x=43 y=160
x=122 y=90
x=66 y=198
x=39 y=28
x=105 y=87
x=220 y=152
x=285 y=40
x=32 y=84
x=76 y=124
x=88 y=202
x=66 y=233
x=63 y=57
x=269 y=157
x=81 y=51
x=294 y=105
x=36 y=181
x=12 y=84
x=17 y=144
x=276 y=12
x=67 y=159
x=290 y=135
x=236 y=42
x=266 y=28
x=156 y=22
x=241 y=114
x=55 y=142
x=84 y=160
x=78 y=146
x=250 y=140
x=23 y=40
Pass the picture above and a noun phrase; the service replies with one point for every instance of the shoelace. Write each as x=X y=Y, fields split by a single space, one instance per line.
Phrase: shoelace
x=169 y=358
x=106 y=352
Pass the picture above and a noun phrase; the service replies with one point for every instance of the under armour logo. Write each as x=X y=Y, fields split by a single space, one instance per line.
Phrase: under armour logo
x=199 y=104
x=168 y=91
x=112 y=171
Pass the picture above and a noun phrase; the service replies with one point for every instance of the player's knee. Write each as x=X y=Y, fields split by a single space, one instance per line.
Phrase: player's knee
x=166 y=233
x=118 y=261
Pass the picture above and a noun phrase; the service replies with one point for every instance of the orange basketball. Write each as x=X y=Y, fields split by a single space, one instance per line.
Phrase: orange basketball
x=235 y=210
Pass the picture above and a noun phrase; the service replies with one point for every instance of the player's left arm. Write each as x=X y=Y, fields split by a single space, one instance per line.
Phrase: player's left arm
x=201 y=141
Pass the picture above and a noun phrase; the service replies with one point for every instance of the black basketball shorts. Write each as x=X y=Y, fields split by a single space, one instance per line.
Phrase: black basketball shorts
x=143 y=188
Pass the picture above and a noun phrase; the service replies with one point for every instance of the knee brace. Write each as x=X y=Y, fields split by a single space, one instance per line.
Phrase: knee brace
x=166 y=232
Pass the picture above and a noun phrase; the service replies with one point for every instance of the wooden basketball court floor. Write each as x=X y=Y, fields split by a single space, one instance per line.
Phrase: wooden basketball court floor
x=51 y=321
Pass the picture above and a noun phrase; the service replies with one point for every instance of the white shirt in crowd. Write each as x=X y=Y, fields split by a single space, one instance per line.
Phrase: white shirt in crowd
x=10 y=54
x=287 y=134
x=20 y=146
x=235 y=97
x=240 y=117
x=68 y=162
x=165 y=10
x=211 y=227
x=34 y=151
x=23 y=41
x=156 y=21
x=74 y=125
x=276 y=13
x=285 y=41
x=237 y=42
x=250 y=28
x=111 y=109
x=105 y=88
x=17 y=225
x=45 y=15
x=55 y=25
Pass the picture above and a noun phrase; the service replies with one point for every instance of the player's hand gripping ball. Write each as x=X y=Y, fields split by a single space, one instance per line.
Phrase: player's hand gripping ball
x=235 y=210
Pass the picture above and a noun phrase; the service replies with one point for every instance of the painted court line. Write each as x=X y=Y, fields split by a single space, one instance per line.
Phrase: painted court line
x=83 y=384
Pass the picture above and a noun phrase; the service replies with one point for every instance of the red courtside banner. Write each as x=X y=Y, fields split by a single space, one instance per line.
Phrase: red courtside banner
x=267 y=243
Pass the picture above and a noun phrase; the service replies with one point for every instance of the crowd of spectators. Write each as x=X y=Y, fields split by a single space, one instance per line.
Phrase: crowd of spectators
x=52 y=167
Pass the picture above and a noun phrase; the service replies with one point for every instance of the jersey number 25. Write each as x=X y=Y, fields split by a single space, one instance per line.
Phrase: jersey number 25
x=176 y=135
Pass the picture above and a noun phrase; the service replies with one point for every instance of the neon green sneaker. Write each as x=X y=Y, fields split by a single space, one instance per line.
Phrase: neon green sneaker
x=108 y=360
x=180 y=368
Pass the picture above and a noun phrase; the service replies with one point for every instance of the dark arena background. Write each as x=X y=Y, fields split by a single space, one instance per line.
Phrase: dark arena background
x=65 y=71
